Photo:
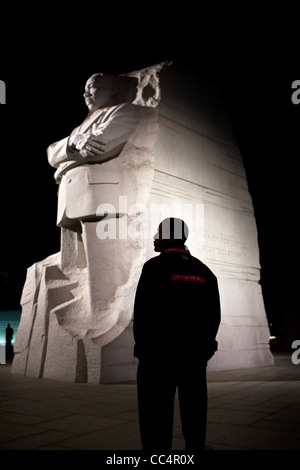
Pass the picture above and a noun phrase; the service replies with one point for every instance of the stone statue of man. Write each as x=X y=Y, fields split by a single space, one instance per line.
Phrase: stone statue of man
x=109 y=155
x=80 y=299
x=87 y=171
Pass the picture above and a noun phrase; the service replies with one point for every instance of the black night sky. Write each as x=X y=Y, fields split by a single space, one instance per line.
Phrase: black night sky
x=45 y=72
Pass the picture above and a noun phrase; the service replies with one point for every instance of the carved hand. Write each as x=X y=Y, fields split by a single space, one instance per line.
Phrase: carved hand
x=88 y=145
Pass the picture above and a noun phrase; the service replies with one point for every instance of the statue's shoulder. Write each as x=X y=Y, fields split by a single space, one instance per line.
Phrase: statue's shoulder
x=127 y=112
x=129 y=108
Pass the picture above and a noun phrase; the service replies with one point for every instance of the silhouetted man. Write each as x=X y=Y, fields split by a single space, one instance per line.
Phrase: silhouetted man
x=176 y=319
x=9 y=332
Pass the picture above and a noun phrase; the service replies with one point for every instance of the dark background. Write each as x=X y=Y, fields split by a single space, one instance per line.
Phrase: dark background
x=253 y=65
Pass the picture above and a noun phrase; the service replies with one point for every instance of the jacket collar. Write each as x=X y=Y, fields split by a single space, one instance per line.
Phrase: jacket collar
x=180 y=250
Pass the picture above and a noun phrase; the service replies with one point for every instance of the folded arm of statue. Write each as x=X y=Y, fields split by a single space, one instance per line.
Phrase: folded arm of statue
x=101 y=142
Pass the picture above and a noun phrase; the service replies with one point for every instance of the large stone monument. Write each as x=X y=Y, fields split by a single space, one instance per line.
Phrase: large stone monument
x=156 y=143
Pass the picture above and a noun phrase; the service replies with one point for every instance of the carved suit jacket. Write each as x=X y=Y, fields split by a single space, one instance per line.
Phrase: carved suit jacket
x=85 y=183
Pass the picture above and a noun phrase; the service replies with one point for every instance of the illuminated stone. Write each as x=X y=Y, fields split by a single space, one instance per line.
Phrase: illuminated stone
x=197 y=161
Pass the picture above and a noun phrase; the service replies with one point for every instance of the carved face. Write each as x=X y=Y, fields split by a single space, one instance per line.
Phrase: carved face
x=99 y=92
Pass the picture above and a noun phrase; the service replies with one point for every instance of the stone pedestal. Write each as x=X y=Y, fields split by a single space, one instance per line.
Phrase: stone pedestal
x=70 y=328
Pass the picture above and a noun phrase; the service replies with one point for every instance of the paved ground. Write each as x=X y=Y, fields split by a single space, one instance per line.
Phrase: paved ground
x=249 y=409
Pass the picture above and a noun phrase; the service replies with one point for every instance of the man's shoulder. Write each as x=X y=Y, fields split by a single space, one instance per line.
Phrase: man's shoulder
x=161 y=261
x=156 y=260
x=202 y=266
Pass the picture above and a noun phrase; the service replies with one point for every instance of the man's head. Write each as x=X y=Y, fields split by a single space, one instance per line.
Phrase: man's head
x=103 y=90
x=171 y=233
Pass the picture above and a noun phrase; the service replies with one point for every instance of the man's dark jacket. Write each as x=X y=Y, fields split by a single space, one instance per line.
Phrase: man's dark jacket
x=177 y=308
